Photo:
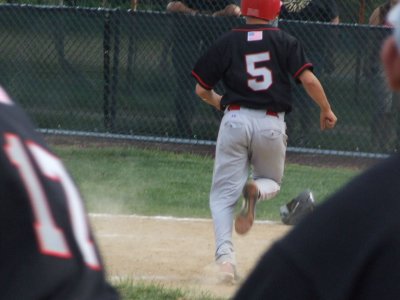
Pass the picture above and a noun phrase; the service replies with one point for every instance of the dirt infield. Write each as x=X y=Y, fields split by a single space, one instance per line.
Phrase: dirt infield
x=179 y=252
x=175 y=252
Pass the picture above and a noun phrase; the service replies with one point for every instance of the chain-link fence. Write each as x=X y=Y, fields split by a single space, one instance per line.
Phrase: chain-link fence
x=350 y=11
x=125 y=70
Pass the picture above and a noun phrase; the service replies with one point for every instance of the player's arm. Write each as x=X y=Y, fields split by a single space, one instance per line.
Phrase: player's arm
x=335 y=20
x=333 y=12
x=180 y=7
x=209 y=96
x=229 y=10
x=209 y=70
x=374 y=18
x=315 y=90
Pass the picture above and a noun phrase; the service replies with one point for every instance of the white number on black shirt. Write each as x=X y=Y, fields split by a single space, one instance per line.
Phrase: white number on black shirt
x=261 y=76
x=50 y=237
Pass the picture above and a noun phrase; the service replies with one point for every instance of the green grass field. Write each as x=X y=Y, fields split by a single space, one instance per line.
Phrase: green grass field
x=149 y=182
x=145 y=291
x=127 y=180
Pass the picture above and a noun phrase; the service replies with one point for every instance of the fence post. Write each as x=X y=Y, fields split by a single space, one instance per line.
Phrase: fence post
x=115 y=67
x=106 y=69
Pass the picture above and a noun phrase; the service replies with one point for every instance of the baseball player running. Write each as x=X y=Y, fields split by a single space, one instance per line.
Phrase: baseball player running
x=255 y=62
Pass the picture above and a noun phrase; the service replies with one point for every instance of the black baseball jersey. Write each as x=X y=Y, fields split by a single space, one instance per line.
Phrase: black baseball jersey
x=255 y=63
x=47 y=249
x=348 y=248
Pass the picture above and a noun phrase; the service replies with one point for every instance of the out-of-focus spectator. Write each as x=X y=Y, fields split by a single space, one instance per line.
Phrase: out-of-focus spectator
x=215 y=8
x=311 y=10
x=47 y=248
x=385 y=129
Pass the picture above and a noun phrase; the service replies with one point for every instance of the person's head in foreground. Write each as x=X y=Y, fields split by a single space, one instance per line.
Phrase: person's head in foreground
x=390 y=54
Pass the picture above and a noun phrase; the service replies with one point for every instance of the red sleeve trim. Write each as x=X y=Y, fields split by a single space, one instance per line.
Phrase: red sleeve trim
x=201 y=82
x=306 y=66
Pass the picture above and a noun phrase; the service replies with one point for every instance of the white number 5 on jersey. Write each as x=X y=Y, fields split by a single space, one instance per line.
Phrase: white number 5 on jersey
x=261 y=76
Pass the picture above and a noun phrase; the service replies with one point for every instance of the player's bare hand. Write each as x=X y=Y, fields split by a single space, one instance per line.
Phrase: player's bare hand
x=209 y=96
x=329 y=124
x=327 y=120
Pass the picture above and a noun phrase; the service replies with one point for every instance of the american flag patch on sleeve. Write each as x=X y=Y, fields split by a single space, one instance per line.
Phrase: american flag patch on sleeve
x=254 y=36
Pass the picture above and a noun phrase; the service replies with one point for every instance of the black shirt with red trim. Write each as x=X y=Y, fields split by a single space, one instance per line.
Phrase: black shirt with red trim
x=255 y=63
x=348 y=248
x=47 y=248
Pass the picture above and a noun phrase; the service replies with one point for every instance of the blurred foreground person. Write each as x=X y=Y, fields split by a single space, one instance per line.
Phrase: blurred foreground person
x=349 y=248
x=47 y=249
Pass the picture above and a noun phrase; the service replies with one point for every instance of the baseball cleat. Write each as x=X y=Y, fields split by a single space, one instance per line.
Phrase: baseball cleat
x=245 y=219
x=227 y=273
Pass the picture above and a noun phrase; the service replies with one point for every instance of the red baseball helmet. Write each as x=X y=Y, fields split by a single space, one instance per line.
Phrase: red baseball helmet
x=262 y=9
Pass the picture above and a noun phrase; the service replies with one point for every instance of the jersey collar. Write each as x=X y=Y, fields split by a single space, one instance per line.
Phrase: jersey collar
x=252 y=27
